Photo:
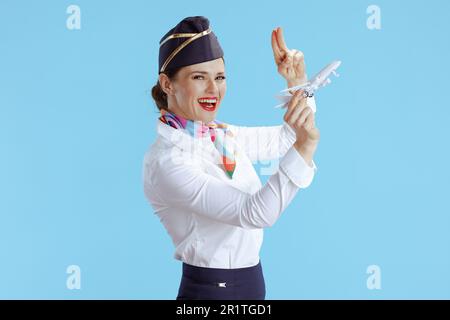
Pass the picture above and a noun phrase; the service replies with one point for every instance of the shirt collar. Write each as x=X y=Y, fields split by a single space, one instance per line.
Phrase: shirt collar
x=182 y=139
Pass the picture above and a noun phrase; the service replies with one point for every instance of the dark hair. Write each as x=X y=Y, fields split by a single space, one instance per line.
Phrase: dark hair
x=159 y=95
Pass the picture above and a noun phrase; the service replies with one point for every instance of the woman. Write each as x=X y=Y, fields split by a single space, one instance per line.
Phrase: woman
x=198 y=175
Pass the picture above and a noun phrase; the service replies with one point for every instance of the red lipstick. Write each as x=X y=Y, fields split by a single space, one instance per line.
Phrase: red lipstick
x=208 y=103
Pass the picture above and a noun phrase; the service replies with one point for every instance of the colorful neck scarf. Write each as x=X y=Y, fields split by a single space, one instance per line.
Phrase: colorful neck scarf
x=197 y=129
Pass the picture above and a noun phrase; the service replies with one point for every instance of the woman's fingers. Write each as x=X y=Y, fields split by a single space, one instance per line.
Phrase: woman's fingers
x=302 y=117
x=282 y=55
x=287 y=61
x=276 y=49
x=294 y=100
x=293 y=103
x=280 y=40
x=298 y=110
x=309 y=122
x=298 y=57
x=310 y=127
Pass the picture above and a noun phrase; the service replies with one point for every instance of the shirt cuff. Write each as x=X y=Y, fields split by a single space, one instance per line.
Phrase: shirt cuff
x=296 y=168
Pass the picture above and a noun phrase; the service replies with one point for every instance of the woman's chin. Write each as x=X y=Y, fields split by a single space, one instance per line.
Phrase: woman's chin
x=208 y=117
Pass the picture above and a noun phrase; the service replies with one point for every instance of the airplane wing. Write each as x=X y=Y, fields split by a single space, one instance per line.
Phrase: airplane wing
x=311 y=102
x=284 y=99
x=303 y=86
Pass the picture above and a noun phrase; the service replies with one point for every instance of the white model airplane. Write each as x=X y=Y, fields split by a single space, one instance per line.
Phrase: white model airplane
x=319 y=80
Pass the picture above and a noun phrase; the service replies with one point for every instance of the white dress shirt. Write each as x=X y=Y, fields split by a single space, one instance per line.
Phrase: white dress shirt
x=215 y=221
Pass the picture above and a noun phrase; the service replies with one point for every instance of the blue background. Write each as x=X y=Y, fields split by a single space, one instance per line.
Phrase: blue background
x=76 y=118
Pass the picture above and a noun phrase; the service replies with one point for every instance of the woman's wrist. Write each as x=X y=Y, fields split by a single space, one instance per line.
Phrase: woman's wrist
x=306 y=151
x=296 y=82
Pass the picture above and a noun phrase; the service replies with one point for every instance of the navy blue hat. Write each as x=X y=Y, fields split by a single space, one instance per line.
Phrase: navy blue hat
x=191 y=41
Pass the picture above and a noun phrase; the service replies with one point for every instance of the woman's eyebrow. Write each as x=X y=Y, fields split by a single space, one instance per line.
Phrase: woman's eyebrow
x=204 y=72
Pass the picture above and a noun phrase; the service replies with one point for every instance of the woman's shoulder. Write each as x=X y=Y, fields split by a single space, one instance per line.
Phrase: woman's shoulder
x=157 y=150
x=163 y=155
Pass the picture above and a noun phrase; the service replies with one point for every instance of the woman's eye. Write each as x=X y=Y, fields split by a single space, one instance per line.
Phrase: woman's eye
x=198 y=77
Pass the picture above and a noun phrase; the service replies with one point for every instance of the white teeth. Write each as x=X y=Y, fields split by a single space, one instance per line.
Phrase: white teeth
x=207 y=100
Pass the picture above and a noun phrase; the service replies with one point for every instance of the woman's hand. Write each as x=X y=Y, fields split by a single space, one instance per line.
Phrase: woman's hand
x=290 y=63
x=301 y=118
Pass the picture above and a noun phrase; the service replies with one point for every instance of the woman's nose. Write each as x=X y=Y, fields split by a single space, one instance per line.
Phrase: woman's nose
x=212 y=87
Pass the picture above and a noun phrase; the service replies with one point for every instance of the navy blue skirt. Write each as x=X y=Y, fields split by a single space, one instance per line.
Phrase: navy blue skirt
x=198 y=283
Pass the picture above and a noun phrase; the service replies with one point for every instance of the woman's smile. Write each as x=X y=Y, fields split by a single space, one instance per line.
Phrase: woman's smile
x=208 y=103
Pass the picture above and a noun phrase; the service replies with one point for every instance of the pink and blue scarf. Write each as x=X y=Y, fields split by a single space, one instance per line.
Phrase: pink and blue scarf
x=197 y=129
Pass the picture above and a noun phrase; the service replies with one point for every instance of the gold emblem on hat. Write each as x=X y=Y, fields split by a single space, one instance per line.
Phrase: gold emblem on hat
x=191 y=36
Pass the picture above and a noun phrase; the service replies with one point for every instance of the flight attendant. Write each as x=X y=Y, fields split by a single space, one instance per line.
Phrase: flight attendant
x=198 y=174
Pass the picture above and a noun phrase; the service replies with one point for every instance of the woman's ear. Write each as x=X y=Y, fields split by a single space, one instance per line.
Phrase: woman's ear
x=165 y=84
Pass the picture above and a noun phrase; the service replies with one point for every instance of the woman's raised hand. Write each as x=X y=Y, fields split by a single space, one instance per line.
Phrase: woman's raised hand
x=290 y=62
